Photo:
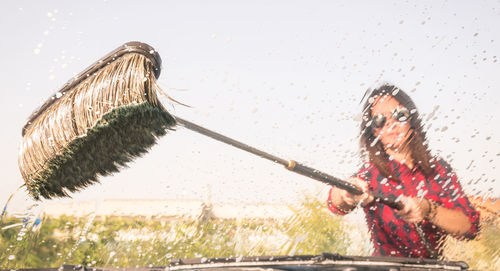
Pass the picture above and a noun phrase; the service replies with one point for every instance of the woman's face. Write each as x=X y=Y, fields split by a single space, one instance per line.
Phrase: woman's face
x=393 y=133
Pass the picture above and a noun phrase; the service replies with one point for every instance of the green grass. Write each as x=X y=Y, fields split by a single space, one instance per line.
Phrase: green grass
x=132 y=242
x=141 y=242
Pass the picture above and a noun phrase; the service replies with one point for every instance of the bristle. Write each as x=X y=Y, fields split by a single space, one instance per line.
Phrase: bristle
x=94 y=129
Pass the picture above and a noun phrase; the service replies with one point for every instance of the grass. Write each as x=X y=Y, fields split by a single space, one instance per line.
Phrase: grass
x=141 y=242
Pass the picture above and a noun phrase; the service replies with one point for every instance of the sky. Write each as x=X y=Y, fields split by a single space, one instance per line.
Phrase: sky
x=286 y=77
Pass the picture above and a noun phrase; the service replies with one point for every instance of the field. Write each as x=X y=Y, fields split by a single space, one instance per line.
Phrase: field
x=143 y=242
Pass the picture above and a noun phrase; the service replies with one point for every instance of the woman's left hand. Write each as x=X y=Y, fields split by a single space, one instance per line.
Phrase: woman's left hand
x=414 y=210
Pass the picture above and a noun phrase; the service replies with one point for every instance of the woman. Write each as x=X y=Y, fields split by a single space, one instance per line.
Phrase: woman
x=400 y=167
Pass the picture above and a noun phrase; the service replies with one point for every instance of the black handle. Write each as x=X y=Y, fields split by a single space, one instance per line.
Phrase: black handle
x=328 y=179
x=289 y=164
x=323 y=177
x=389 y=202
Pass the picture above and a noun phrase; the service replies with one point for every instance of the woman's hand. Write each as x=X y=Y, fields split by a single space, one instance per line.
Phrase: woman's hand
x=346 y=201
x=414 y=210
x=449 y=220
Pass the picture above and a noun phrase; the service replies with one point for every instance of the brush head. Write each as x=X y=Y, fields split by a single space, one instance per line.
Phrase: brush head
x=98 y=122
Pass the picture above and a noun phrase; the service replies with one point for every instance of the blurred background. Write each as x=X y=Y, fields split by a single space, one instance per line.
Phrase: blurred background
x=286 y=77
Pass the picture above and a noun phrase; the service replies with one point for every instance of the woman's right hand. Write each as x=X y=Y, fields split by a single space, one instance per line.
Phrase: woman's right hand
x=346 y=201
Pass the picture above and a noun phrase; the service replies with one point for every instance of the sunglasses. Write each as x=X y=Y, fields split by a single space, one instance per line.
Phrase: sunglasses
x=398 y=114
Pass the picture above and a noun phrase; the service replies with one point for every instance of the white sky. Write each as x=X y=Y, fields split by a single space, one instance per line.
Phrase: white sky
x=282 y=76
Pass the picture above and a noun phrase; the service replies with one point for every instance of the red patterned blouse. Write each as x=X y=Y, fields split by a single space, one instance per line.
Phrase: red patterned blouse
x=392 y=236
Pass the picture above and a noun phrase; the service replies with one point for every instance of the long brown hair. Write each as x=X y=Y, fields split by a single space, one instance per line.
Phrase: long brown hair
x=416 y=142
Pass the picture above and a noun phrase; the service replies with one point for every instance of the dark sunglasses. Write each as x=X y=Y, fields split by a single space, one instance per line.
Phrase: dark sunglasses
x=399 y=114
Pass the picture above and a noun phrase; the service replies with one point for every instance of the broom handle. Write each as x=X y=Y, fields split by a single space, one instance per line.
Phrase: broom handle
x=306 y=171
x=289 y=164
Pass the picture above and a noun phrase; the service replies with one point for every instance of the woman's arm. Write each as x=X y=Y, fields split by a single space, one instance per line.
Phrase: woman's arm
x=452 y=221
x=454 y=213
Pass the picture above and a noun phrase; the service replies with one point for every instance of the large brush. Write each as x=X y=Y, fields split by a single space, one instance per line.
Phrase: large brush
x=105 y=117
x=97 y=122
